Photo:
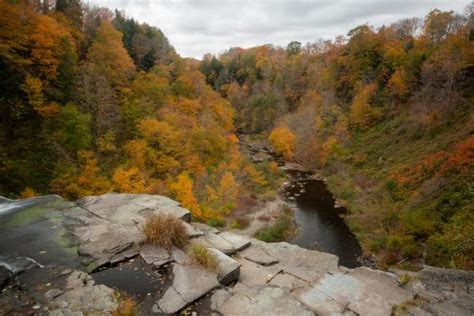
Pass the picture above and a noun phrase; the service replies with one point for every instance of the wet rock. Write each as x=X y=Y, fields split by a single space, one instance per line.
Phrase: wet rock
x=258 y=255
x=4 y=277
x=189 y=284
x=82 y=295
x=16 y=265
x=363 y=291
x=228 y=270
x=155 y=255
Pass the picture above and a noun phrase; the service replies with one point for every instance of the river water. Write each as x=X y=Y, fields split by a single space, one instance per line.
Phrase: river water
x=321 y=226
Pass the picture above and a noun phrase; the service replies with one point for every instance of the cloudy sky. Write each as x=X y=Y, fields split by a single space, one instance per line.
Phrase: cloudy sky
x=196 y=27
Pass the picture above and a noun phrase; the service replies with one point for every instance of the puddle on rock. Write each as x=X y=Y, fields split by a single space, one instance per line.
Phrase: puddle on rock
x=136 y=279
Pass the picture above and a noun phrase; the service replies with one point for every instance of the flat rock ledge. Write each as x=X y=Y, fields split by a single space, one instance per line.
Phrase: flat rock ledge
x=251 y=278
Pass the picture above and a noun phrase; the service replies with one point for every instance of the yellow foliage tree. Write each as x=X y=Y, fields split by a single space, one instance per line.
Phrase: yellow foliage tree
x=183 y=189
x=255 y=176
x=327 y=149
x=86 y=181
x=229 y=191
x=129 y=180
x=136 y=150
x=283 y=140
x=363 y=114
x=28 y=193
x=33 y=87
x=109 y=55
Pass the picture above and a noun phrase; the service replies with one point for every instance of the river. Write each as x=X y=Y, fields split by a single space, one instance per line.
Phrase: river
x=320 y=225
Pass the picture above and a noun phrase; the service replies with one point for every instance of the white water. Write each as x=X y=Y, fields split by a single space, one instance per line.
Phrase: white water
x=9 y=206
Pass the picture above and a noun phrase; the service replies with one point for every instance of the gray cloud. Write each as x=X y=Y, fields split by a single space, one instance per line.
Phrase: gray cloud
x=196 y=27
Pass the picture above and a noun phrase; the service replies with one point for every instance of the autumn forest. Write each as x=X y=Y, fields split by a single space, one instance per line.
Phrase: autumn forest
x=93 y=101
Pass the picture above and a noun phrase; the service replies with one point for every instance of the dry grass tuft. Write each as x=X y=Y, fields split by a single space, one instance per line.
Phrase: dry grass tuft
x=127 y=306
x=166 y=231
x=202 y=256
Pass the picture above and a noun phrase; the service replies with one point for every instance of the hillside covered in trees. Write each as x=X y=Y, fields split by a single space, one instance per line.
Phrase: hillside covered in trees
x=93 y=101
x=386 y=115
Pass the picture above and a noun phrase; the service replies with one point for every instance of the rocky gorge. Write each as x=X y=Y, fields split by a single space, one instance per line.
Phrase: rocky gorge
x=67 y=258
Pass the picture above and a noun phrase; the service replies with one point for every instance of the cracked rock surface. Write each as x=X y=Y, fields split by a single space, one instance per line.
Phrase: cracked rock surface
x=63 y=242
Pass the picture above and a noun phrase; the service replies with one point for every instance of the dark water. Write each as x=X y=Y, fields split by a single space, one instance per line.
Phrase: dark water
x=321 y=226
x=136 y=279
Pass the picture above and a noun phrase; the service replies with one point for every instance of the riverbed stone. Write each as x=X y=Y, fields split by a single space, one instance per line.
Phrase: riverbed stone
x=228 y=270
x=263 y=301
x=261 y=157
x=446 y=291
x=211 y=240
x=205 y=228
x=156 y=255
x=308 y=265
x=192 y=231
x=83 y=295
x=171 y=302
x=258 y=255
x=288 y=281
x=362 y=290
x=252 y=273
x=53 y=293
x=113 y=223
x=131 y=209
x=190 y=283
x=237 y=241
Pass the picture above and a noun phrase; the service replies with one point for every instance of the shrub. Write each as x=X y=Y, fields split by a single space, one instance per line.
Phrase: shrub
x=166 y=231
x=399 y=248
x=216 y=222
x=202 y=256
x=280 y=231
x=240 y=223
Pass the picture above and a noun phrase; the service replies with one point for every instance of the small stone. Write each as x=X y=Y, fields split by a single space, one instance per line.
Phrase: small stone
x=53 y=293
x=36 y=307
x=156 y=309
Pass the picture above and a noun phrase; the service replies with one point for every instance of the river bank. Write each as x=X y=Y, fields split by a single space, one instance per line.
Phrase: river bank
x=318 y=218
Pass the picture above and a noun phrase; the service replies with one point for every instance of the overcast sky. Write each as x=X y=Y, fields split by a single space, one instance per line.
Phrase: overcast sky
x=196 y=27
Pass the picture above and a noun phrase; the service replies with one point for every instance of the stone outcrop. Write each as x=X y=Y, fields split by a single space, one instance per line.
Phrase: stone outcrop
x=251 y=278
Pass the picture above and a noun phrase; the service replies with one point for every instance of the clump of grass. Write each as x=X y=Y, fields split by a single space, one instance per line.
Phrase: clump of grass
x=202 y=256
x=239 y=223
x=281 y=230
x=127 y=306
x=166 y=231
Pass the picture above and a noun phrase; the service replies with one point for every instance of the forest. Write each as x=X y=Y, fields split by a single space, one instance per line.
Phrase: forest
x=93 y=101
